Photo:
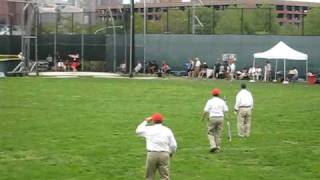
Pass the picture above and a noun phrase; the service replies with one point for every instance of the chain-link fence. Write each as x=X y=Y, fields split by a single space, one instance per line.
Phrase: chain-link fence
x=207 y=20
x=102 y=39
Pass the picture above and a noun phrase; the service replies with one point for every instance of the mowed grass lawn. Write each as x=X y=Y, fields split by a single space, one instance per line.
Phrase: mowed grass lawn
x=84 y=128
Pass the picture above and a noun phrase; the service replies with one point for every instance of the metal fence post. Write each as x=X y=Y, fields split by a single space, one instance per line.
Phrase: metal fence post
x=167 y=30
x=270 y=19
x=241 y=21
x=212 y=20
x=302 y=25
x=189 y=14
x=72 y=23
x=82 y=51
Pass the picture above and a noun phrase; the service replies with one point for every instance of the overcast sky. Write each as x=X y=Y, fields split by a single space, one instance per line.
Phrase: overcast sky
x=306 y=0
x=137 y=0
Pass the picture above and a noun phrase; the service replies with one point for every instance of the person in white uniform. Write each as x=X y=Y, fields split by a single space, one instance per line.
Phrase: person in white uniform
x=215 y=109
x=243 y=107
x=160 y=143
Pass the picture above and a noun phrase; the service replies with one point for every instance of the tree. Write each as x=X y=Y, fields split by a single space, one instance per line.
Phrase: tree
x=207 y=17
x=289 y=29
x=229 y=21
x=138 y=23
x=261 y=20
x=153 y=26
x=177 y=21
x=312 y=22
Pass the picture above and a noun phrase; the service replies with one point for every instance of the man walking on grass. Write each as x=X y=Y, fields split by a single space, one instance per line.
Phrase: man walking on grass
x=215 y=109
x=161 y=144
x=243 y=107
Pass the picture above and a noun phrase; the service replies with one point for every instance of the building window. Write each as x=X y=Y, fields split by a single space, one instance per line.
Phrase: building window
x=297 y=8
x=158 y=9
x=289 y=8
x=216 y=7
x=280 y=15
x=150 y=9
x=289 y=16
x=150 y=17
x=279 y=8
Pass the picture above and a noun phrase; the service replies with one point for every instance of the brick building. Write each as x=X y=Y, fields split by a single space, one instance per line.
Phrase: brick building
x=10 y=12
x=291 y=12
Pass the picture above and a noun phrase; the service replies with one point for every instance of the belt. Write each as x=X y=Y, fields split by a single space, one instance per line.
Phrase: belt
x=159 y=151
x=244 y=106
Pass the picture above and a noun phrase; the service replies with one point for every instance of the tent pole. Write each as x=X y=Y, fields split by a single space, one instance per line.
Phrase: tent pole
x=306 y=69
x=284 y=70
x=275 y=72
x=254 y=62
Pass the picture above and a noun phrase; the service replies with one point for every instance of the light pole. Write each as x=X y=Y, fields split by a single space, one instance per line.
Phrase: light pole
x=144 y=34
x=132 y=54
x=114 y=41
x=194 y=17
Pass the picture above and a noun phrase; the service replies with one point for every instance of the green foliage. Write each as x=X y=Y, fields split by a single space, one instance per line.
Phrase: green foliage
x=138 y=22
x=289 y=29
x=178 y=21
x=48 y=28
x=207 y=16
x=154 y=27
x=312 y=22
x=261 y=20
x=229 y=22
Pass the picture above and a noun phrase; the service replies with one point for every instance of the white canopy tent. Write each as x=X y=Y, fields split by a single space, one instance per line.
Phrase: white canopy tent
x=283 y=52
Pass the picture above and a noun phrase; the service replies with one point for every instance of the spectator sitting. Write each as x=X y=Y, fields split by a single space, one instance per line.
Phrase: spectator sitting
x=165 y=68
x=61 y=66
x=152 y=67
x=279 y=76
x=244 y=74
x=123 y=67
x=293 y=74
x=50 y=61
x=75 y=64
x=221 y=73
x=138 y=68
x=251 y=72
x=203 y=70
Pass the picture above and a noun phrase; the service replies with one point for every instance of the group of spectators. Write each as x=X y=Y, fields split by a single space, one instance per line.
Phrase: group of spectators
x=64 y=65
x=197 y=69
x=227 y=70
x=222 y=69
x=152 y=67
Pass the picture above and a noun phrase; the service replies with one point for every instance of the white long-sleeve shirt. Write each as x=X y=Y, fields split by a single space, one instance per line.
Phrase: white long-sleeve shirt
x=244 y=99
x=216 y=107
x=158 y=137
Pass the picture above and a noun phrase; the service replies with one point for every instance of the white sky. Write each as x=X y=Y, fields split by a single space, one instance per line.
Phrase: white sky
x=318 y=1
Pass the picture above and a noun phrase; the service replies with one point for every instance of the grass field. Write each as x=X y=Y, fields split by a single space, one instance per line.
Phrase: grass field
x=84 y=128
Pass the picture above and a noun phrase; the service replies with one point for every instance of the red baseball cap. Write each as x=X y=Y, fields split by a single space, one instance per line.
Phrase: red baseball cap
x=157 y=117
x=215 y=91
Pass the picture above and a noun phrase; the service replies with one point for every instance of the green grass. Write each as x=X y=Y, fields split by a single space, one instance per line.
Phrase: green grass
x=85 y=129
